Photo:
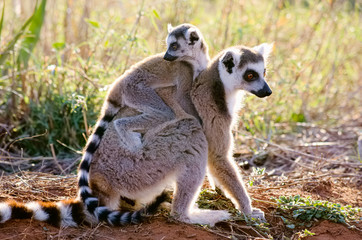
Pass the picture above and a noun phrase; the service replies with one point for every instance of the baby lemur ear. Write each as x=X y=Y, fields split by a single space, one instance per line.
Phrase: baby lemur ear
x=169 y=28
x=264 y=49
x=228 y=61
x=194 y=37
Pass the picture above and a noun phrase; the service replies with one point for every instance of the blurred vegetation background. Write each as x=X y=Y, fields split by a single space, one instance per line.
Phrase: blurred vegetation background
x=58 y=57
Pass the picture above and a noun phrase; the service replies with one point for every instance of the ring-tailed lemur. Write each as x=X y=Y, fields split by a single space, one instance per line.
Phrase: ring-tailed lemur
x=134 y=89
x=177 y=151
x=238 y=68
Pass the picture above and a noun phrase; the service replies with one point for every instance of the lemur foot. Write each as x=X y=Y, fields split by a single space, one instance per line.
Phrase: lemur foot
x=205 y=217
x=259 y=214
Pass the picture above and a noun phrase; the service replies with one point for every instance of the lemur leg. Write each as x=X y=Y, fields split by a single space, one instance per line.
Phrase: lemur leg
x=226 y=175
x=186 y=193
x=154 y=112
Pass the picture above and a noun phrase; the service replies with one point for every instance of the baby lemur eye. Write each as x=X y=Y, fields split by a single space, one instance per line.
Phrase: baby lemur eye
x=264 y=72
x=174 y=46
x=250 y=76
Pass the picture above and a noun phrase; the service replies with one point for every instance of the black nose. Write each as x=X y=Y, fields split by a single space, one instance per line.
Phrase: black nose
x=264 y=92
x=169 y=57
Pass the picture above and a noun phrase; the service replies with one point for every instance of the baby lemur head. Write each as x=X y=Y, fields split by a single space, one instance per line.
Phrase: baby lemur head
x=243 y=68
x=186 y=43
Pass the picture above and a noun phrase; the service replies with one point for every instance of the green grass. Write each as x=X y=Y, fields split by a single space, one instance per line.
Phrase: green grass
x=314 y=71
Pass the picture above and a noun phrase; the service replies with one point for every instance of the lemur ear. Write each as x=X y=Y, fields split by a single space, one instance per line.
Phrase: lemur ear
x=264 y=49
x=228 y=61
x=194 y=37
x=169 y=28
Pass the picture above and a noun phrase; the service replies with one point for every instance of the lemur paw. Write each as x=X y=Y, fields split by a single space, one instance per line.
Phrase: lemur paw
x=259 y=214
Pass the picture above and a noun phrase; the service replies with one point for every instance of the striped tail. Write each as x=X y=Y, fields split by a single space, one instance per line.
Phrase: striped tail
x=70 y=213
x=110 y=109
x=102 y=213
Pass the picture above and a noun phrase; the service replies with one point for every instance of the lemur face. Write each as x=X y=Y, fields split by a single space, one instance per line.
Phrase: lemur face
x=184 y=43
x=243 y=68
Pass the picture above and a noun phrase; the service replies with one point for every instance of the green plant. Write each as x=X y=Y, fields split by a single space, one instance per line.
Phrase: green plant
x=307 y=210
x=28 y=43
x=256 y=175
x=304 y=233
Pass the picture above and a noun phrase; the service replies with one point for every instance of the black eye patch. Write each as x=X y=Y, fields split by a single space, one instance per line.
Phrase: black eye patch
x=250 y=75
x=174 y=46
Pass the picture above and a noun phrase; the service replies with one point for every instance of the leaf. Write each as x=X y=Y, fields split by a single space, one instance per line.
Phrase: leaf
x=291 y=226
x=13 y=41
x=154 y=23
x=298 y=117
x=58 y=45
x=93 y=23
x=1 y=21
x=32 y=37
x=156 y=14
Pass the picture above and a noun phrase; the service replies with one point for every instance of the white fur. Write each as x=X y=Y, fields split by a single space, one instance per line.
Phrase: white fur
x=234 y=82
x=264 y=49
x=87 y=157
x=124 y=217
x=170 y=39
x=169 y=27
x=38 y=212
x=5 y=212
x=196 y=58
x=91 y=199
x=112 y=215
x=84 y=189
x=147 y=195
x=103 y=124
x=230 y=81
x=83 y=173
x=94 y=138
x=254 y=85
x=208 y=217
x=66 y=215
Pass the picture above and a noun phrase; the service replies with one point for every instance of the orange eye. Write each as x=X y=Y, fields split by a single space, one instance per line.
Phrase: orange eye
x=250 y=76
x=174 y=46
x=264 y=73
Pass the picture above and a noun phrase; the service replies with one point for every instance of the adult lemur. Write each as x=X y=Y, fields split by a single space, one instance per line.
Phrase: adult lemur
x=136 y=90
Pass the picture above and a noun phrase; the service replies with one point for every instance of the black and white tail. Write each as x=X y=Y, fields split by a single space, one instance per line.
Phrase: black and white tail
x=70 y=213
x=110 y=109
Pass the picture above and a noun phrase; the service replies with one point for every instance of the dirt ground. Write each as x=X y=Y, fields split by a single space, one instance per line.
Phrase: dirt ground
x=41 y=186
x=318 y=163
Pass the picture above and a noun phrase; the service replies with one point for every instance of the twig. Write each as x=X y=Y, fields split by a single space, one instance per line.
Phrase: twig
x=295 y=162
x=25 y=138
x=55 y=159
x=134 y=30
x=72 y=164
x=289 y=149
x=74 y=150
